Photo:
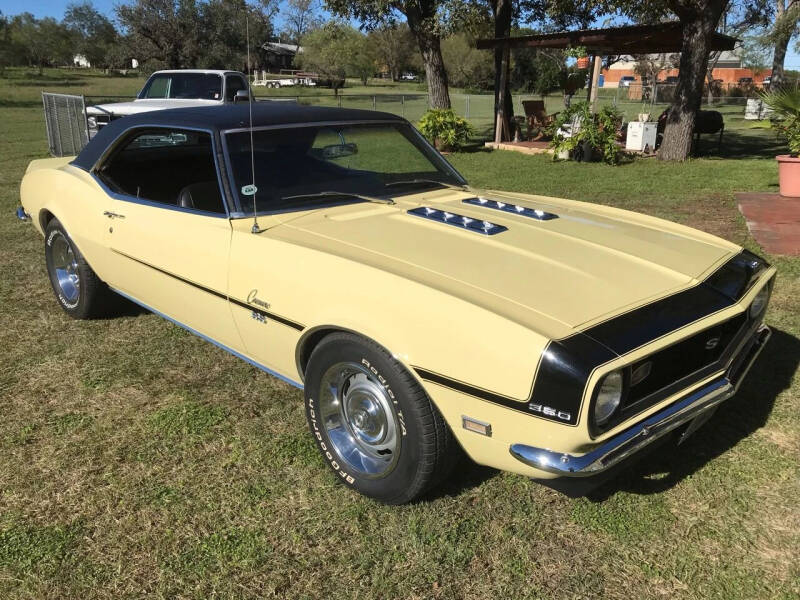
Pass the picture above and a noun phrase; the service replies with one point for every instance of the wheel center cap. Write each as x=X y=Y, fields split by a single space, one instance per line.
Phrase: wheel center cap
x=360 y=419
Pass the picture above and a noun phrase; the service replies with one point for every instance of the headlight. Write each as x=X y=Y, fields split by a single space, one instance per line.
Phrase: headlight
x=760 y=302
x=608 y=398
x=92 y=122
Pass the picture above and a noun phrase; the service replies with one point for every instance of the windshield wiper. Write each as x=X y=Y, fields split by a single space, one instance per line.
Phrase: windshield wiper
x=334 y=193
x=436 y=181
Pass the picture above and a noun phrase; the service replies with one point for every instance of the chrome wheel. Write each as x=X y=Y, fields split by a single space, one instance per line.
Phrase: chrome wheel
x=65 y=266
x=359 y=418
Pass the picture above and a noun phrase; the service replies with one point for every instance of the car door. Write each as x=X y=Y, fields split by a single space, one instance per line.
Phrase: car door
x=168 y=228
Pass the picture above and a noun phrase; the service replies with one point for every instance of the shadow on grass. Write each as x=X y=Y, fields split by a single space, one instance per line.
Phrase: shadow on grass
x=21 y=103
x=119 y=306
x=466 y=475
x=735 y=420
x=740 y=143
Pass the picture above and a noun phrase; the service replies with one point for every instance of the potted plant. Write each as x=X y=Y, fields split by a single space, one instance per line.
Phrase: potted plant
x=786 y=121
x=579 y=134
x=445 y=129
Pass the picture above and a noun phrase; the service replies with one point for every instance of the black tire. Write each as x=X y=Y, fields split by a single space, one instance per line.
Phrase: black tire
x=426 y=450
x=90 y=297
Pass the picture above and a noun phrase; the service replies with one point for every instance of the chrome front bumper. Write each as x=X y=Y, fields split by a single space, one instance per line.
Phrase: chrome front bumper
x=632 y=440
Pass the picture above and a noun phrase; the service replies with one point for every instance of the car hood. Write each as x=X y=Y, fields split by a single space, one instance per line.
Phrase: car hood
x=145 y=105
x=557 y=275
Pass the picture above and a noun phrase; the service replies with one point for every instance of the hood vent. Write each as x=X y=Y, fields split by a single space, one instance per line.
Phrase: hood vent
x=516 y=209
x=460 y=221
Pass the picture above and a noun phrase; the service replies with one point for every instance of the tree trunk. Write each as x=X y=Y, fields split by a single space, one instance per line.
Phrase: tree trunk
x=431 y=50
x=502 y=11
x=698 y=22
x=778 y=79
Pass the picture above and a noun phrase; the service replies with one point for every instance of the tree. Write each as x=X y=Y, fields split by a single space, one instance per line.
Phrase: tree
x=699 y=19
x=166 y=32
x=426 y=20
x=650 y=65
x=537 y=70
x=327 y=52
x=787 y=17
x=394 y=48
x=186 y=33
x=502 y=13
x=95 y=34
x=5 y=43
x=300 y=17
x=467 y=67
x=42 y=42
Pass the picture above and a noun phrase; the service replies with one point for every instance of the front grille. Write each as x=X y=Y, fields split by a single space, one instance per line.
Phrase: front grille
x=679 y=366
x=692 y=359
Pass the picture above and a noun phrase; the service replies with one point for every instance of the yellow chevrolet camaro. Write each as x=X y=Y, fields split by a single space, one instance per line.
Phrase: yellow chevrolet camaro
x=337 y=250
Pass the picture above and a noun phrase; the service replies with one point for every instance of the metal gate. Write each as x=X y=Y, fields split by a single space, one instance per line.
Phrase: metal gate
x=65 y=118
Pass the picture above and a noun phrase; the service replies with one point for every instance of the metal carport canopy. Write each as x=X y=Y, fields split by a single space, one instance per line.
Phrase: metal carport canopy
x=629 y=39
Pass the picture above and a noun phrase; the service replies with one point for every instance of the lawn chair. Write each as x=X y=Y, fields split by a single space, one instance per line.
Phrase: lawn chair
x=537 y=118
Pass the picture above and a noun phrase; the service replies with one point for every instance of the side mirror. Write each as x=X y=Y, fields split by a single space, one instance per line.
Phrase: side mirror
x=242 y=96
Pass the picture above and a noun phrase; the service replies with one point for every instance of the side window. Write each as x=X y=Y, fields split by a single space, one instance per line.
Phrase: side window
x=158 y=88
x=233 y=83
x=169 y=166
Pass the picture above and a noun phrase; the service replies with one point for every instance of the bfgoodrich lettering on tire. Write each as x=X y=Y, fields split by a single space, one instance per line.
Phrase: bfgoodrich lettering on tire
x=77 y=288
x=374 y=425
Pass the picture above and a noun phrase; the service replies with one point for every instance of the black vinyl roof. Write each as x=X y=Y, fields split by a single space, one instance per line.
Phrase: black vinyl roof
x=222 y=118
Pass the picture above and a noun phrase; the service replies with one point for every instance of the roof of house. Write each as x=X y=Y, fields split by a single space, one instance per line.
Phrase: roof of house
x=224 y=118
x=727 y=58
x=279 y=48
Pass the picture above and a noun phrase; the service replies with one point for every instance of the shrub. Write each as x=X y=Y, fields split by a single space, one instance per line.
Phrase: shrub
x=445 y=129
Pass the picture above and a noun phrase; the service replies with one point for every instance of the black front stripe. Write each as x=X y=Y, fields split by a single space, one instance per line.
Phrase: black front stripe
x=564 y=369
x=566 y=364
x=273 y=316
x=643 y=325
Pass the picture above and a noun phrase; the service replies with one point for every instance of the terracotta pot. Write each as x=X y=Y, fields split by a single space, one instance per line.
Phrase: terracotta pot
x=789 y=175
x=582 y=62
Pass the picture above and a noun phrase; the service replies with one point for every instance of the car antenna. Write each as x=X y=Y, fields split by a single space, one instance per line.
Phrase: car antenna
x=252 y=189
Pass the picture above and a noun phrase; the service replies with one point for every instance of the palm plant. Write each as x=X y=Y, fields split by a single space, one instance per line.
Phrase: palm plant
x=786 y=118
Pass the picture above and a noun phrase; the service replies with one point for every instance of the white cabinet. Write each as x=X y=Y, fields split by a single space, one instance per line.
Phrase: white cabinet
x=640 y=135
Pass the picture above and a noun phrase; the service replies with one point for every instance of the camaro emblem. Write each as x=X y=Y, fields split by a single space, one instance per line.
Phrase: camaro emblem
x=712 y=343
x=252 y=298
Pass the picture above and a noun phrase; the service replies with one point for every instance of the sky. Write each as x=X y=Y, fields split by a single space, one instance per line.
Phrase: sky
x=56 y=8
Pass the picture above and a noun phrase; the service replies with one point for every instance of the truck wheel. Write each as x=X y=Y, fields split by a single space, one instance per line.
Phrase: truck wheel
x=374 y=425
x=78 y=290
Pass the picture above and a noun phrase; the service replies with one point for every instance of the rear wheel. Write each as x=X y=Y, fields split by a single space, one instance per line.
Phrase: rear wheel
x=79 y=292
x=374 y=425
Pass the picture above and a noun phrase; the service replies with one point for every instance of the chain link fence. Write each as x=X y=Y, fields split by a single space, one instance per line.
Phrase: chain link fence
x=478 y=109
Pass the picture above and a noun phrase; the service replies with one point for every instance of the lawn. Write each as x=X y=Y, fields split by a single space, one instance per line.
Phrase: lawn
x=139 y=461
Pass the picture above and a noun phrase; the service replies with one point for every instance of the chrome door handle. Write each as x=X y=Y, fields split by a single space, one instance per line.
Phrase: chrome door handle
x=113 y=215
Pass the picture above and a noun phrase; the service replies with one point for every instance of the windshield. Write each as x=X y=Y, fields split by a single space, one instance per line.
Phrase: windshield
x=204 y=86
x=303 y=167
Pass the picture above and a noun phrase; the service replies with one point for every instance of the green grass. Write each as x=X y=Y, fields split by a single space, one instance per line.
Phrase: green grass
x=139 y=461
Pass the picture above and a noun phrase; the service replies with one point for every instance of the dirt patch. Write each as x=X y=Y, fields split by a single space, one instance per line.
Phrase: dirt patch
x=716 y=215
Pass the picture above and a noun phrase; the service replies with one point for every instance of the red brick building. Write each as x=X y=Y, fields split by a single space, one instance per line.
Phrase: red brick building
x=728 y=69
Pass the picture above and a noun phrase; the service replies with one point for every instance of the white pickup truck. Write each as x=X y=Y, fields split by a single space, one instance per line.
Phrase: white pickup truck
x=174 y=89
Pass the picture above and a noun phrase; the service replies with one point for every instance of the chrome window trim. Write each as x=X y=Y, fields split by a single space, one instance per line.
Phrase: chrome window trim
x=109 y=151
x=238 y=212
